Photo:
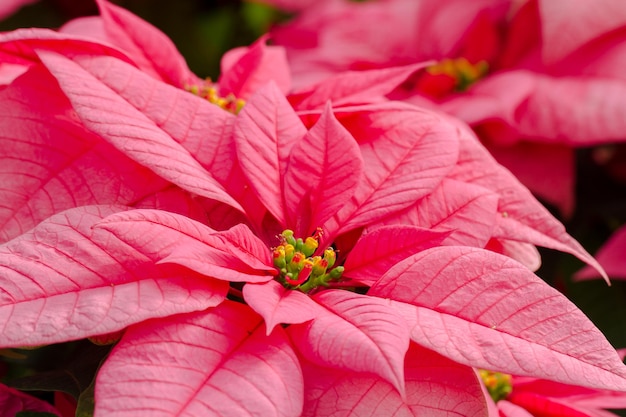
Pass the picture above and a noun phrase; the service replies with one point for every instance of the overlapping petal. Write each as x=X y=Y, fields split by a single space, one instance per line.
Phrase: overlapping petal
x=264 y=141
x=487 y=311
x=407 y=152
x=435 y=386
x=76 y=168
x=233 y=255
x=377 y=251
x=65 y=280
x=323 y=171
x=166 y=368
x=356 y=333
x=130 y=130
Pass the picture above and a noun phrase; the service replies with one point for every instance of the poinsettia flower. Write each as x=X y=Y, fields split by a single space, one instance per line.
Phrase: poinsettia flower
x=176 y=223
x=115 y=34
x=534 y=78
x=163 y=276
x=522 y=396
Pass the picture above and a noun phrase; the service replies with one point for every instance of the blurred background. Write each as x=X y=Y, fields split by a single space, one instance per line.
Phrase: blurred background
x=201 y=29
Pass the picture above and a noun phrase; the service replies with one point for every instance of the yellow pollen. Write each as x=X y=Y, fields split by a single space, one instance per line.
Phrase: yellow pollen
x=498 y=384
x=299 y=268
x=208 y=92
x=464 y=73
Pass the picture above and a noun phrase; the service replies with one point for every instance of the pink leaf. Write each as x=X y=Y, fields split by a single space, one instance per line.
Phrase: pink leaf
x=522 y=217
x=466 y=211
x=407 y=152
x=485 y=310
x=217 y=362
x=323 y=171
x=131 y=131
x=148 y=47
x=537 y=404
x=50 y=163
x=279 y=305
x=508 y=409
x=265 y=131
x=524 y=253
x=567 y=26
x=435 y=387
x=23 y=46
x=611 y=257
x=245 y=70
x=202 y=128
x=356 y=333
x=65 y=280
x=377 y=251
x=233 y=255
x=566 y=110
x=548 y=170
x=13 y=402
x=352 y=87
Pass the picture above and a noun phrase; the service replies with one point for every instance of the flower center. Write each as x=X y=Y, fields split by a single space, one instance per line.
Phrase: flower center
x=498 y=384
x=298 y=268
x=451 y=75
x=463 y=72
x=208 y=91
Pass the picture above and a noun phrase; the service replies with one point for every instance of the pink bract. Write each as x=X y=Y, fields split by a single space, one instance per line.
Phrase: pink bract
x=131 y=205
x=552 y=82
x=611 y=257
x=532 y=396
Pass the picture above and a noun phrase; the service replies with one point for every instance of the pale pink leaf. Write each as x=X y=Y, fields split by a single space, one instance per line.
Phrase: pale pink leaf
x=352 y=87
x=435 y=387
x=522 y=217
x=65 y=280
x=407 y=152
x=146 y=45
x=218 y=362
x=566 y=26
x=22 y=46
x=574 y=395
x=174 y=200
x=536 y=403
x=50 y=163
x=377 y=251
x=279 y=305
x=13 y=402
x=576 y=111
x=548 y=170
x=323 y=171
x=508 y=409
x=611 y=257
x=232 y=255
x=245 y=70
x=130 y=130
x=486 y=310
x=356 y=333
x=265 y=131
x=202 y=128
x=524 y=253
x=465 y=211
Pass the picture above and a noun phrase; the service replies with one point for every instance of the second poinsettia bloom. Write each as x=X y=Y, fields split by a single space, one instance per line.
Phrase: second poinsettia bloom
x=523 y=396
x=535 y=79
